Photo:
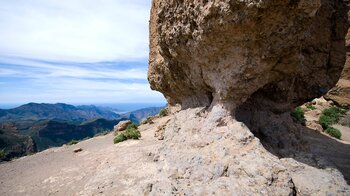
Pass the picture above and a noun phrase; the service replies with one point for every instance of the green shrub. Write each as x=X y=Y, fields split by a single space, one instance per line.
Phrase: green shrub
x=72 y=142
x=333 y=132
x=298 y=115
x=330 y=116
x=148 y=120
x=130 y=133
x=2 y=154
x=119 y=138
x=163 y=112
x=311 y=107
x=326 y=121
x=334 y=112
x=132 y=126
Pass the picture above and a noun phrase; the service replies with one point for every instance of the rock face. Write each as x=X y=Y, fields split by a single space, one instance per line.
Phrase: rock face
x=208 y=52
x=206 y=154
x=341 y=92
x=250 y=61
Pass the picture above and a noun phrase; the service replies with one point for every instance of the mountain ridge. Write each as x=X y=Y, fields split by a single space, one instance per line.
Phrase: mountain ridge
x=35 y=127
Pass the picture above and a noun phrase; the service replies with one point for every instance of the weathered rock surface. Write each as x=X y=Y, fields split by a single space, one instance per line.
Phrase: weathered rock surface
x=341 y=92
x=250 y=61
x=121 y=126
x=204 y=52
x=209 y=153
x=227 y=160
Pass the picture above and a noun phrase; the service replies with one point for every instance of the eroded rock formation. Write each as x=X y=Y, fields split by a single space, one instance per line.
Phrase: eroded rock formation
x=341 y=92
x=204 y=52
x=250 y=61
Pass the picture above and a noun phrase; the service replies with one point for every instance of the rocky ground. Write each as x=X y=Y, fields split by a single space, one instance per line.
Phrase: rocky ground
x=202 y=153
x=100 y=168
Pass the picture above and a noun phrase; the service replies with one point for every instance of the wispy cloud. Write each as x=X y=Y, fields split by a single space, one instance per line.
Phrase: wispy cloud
x=79 y=30
x=82 y=51
x=18 y=67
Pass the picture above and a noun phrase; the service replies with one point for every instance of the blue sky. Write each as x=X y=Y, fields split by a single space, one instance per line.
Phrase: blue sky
x=81 y=51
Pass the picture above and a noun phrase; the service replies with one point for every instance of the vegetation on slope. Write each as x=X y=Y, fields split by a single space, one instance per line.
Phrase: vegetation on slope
x=298 y=115
x=163 y=112
x=329 y=117
x=131 y=132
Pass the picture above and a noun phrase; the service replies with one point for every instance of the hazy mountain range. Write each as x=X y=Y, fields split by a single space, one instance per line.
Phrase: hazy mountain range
x=35 y=127
x=61 y=111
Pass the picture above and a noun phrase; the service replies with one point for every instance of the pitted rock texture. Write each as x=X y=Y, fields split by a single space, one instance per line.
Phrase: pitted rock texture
x=207 y=52
x=341 y=92
x=209 y=153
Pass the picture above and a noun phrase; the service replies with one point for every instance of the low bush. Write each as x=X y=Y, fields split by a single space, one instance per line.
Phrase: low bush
x=163 y=112
x=333 y=132
x=326 y=121
x=72 y=142
x=148 y=120
x=298 y=115
x=2 y=154
x=119 y=138
x=131 y=132
x=331 y=116
x=132 y=126
x=311 y=107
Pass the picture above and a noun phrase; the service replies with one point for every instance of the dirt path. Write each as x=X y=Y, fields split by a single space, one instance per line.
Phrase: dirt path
x=101 y=168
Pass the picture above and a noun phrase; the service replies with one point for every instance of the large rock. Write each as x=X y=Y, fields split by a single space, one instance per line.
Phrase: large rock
x=208 y=52
x=249 y=61
x=341 y=92
x=205 y=153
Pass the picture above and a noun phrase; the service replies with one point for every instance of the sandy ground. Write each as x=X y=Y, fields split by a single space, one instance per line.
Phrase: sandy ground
x=345 y=132
x=101 y=168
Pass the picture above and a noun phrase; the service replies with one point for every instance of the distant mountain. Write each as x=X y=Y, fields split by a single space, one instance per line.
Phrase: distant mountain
x=54 y=133
x=35 y=127
x=59 y=111
x=138 y=115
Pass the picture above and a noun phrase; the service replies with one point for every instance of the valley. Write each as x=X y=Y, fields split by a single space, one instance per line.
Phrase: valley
x=35 y=127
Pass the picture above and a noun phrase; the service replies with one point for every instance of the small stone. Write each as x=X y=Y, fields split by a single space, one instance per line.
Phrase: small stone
x=77 y=150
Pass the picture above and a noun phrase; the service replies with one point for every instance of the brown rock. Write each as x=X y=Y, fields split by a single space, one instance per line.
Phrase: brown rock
x=209 y=52
x=77 y=150
x=121 y=126
x=341 y=92
x=248 y=60
x=314 y=125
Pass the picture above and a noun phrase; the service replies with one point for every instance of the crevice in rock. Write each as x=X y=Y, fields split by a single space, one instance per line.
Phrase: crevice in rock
x=294 y=193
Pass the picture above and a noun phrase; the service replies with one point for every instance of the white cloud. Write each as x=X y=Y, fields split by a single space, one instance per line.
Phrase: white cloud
x=40 y=69
x=74 y=90
x=79 y=30
x=54 y=51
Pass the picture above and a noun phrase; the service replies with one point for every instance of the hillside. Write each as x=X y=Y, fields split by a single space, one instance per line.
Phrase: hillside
x=61 y=111
x=139 y=115
x=54 y=133
x=35 y=127
x=13 y=143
